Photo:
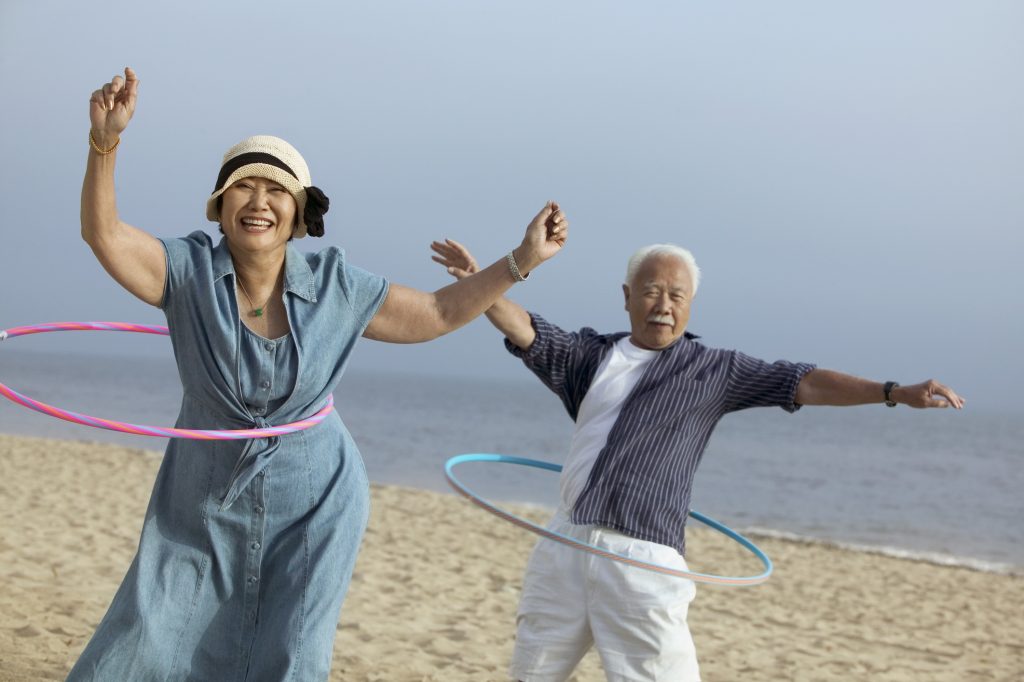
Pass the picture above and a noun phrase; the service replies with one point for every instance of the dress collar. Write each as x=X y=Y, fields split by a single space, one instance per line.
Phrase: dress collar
x=298 y=276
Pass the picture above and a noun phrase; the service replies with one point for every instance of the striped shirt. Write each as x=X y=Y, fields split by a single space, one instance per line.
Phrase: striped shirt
x=642 y=480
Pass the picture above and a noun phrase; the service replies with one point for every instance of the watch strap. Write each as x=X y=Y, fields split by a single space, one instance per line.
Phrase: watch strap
x=887 y=389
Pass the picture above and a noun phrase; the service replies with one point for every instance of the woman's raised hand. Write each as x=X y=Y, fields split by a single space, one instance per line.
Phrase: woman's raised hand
x=112 y=106
x=545 y=236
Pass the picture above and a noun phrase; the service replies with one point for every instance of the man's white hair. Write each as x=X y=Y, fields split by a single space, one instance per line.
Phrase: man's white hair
x=637 y=259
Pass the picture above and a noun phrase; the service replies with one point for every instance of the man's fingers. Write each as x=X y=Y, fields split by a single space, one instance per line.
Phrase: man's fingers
x=933 y=394
x=456 y=245
x=456 y=272
x=463 y=253
x=444 y=251
x=950 y=395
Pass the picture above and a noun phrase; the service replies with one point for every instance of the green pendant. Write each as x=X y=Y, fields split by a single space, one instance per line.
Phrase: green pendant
x=257 y=312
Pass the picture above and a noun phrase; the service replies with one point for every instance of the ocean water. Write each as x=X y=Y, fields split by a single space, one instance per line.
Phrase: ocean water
x=937 y=485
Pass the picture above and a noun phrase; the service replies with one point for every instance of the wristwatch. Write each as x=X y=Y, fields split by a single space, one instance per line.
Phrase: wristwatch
x=889 y=385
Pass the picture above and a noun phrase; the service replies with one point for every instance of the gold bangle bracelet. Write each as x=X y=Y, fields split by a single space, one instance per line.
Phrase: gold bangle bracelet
x=96 y=147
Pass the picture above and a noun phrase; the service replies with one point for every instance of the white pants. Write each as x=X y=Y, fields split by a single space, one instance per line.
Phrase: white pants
x=573 y=599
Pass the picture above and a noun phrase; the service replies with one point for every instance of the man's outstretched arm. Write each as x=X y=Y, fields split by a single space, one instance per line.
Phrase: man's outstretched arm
x=827 y=387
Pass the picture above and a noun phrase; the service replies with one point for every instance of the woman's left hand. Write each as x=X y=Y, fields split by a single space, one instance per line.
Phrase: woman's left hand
x=545 y=236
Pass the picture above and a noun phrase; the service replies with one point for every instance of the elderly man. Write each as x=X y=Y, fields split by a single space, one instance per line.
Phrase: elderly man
x=645 y=403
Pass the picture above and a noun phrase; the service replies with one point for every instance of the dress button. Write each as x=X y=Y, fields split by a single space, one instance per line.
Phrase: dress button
x=258 y=510
x=252 y=580
x=268 y=346
x=255 y=545
x=265 y=384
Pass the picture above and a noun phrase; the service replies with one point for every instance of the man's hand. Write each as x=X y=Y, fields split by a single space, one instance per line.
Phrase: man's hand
x=455 y=257
x=828 y=387
x=927 y=394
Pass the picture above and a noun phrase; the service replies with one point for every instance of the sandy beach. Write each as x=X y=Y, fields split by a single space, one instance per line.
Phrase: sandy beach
x=437 y=581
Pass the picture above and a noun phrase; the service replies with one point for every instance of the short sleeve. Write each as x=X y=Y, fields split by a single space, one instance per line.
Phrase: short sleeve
x=756 y=383
x=564 y=361
x=185 y=256
x=548 y=341
x=364 y=291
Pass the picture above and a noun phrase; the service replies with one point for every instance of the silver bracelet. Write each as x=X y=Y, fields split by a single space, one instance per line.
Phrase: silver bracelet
x=514 y=269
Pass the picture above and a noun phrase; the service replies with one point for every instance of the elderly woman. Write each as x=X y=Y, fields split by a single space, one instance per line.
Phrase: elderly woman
x=248 y=546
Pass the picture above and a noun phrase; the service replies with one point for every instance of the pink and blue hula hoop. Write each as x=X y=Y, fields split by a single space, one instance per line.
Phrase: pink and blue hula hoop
x=592 y=549
x=140 y=429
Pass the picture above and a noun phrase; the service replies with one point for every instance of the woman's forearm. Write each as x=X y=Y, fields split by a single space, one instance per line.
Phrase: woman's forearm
x=462 y=301
x=99 y=205
x=132 y=257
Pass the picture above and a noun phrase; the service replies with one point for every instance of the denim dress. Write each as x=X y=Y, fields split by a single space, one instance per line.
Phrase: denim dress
x=247 y=546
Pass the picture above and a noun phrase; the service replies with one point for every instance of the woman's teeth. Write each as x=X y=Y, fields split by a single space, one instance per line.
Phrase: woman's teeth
x=256 y=224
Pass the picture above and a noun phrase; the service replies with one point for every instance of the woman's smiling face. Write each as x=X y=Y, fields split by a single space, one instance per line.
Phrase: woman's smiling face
x=257 y=213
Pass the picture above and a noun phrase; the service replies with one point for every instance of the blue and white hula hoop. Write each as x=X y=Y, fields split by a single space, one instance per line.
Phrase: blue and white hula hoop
x=586 y=547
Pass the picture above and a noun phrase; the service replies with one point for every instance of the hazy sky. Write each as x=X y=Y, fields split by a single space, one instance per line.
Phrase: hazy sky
x=849 y=175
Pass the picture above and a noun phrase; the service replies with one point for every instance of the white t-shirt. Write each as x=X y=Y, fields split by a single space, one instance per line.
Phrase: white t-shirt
x=615 y=378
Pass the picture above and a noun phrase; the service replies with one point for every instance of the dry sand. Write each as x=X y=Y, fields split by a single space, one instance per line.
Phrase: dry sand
x=437 y=581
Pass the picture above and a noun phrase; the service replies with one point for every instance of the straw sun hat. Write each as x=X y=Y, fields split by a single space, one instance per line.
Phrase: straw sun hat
x=265 y=156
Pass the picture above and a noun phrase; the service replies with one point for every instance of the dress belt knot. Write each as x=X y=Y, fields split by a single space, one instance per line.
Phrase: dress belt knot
x=254 y=459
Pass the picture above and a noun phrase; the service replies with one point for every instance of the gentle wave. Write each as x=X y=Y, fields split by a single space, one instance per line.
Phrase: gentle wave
x=935 y=558
x=535 y=510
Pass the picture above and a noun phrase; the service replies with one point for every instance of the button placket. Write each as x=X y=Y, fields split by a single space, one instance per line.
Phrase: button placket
x=254 y=559
x=264 y=383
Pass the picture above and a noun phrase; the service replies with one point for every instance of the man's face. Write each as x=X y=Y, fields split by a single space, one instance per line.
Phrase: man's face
x=658 y=301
